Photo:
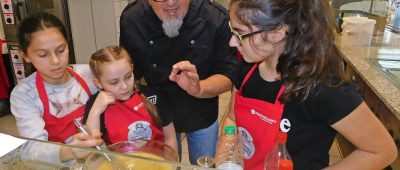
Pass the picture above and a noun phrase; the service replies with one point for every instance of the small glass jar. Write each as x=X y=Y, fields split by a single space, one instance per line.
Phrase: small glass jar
x=206 y=161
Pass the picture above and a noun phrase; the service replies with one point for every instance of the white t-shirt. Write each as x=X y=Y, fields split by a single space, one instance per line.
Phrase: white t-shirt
x=27 y=108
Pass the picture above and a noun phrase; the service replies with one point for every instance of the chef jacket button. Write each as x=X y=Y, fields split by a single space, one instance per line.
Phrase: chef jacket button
x=154 y=65
x=151 y=42
x=192 y=42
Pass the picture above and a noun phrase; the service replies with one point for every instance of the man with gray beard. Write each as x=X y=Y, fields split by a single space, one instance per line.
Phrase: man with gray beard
x=171 y=26
x=181 y=49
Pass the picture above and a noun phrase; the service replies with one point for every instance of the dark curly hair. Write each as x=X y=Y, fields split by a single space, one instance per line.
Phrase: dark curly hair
x=310 y=55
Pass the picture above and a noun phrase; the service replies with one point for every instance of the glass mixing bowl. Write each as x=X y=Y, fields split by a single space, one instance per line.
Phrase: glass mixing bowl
x=148 y=151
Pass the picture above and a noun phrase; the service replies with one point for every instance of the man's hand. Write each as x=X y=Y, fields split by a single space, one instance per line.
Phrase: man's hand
x=185 y=75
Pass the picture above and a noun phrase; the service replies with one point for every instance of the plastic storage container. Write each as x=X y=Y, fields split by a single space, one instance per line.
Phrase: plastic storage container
x=357 y=30
x=229 y=154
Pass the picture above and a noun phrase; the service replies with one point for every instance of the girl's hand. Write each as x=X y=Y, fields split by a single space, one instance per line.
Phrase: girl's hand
x=102 y=101
x=80 y=140
x=83 y=140
x=100 y=105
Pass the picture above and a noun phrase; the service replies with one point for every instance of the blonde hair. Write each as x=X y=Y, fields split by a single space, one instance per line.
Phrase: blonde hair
x=107 y=55
x=114 y=53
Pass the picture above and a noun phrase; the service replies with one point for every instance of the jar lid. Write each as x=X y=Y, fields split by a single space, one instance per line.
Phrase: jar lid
x=281 y=136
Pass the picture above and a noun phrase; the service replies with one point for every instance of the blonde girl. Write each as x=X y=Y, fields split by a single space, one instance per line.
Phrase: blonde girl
x=120 y=111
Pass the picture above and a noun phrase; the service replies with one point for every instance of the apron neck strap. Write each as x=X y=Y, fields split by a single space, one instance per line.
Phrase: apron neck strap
x=42 y=89
x=248 y=76
x=281 y=90
x=80 y=80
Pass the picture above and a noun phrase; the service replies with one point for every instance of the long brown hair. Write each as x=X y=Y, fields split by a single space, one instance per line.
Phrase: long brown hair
x=310 y=55
x=112 y=54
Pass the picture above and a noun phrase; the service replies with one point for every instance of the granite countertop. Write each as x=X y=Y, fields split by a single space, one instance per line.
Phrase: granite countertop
x=357 y=55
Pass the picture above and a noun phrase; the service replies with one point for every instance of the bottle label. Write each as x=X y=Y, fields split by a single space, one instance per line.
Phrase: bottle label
x=248 y=145
x=229 y=166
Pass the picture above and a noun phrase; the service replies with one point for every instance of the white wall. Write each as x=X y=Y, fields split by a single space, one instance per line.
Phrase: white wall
x=92 y=27
x=119 y=6
x=103 y=17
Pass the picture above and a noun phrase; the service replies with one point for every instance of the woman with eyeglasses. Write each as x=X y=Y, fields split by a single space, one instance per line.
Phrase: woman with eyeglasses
x=293 y=80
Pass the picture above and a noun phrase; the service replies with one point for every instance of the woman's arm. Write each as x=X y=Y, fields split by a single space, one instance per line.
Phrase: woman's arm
x=375 y=148
x=230 y=117
x=170 y=136
x=101 y=103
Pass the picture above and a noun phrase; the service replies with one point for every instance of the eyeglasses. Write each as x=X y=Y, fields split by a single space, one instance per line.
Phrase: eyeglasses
x=159 y=0
x=241 y=37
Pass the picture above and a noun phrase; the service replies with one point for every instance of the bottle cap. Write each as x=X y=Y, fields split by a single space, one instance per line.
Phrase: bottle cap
x=285 y=164
x=281 y=137
x=230 y=130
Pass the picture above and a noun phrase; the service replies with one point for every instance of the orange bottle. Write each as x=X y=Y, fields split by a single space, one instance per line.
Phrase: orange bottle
x=279 y=158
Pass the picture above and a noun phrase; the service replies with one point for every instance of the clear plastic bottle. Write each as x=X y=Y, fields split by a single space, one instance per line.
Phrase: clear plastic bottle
x=229 y=154
x=279 y=158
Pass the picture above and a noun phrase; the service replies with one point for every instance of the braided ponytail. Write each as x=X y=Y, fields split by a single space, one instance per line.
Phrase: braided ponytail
x=152 y=109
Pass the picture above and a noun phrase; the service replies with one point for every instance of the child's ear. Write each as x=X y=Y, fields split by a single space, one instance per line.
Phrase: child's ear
x=98 y=83
x=24 y=56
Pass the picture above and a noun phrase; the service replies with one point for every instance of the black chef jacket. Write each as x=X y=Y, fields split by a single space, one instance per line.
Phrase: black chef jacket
x=203 y=40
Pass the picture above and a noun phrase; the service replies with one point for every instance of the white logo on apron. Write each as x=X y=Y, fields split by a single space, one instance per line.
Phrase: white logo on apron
x=263 y=117
x=139 y=130
x=285 y=125
x=137 y=107
x=248 y=145
x=153 y=99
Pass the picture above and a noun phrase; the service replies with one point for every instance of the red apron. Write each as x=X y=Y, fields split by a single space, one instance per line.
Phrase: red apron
x=257 y=122
x=60 y=129
x=130 y=120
